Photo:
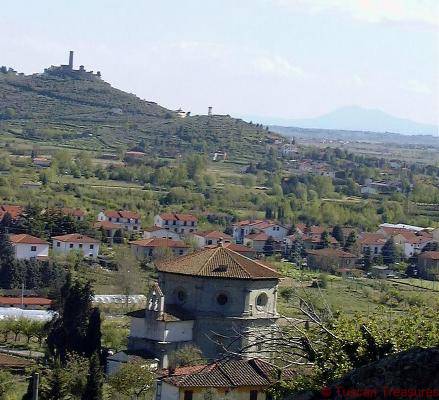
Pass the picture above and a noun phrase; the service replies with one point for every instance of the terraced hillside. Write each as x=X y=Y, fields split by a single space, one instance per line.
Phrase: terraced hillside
x=92 y=114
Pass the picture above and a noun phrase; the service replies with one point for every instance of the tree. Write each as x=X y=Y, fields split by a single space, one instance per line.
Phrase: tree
x=186 y=356
x=129 y=277
x=325 y=240
x=337 y=233
x=389 y=252
x=95 y=380
x=350 y=241
x=269 y=246
x=93 y=335
x=118 y=236
x=132 y=379
x=367 y=259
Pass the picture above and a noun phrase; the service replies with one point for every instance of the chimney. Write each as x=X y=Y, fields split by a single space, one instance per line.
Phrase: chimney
x=221 y=242
x=209 y=111
x=71 y=59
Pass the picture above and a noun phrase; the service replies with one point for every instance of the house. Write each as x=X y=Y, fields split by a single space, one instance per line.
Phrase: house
x=330 y=259
x=256 y=241
x=27 y=247
x=108 y=228
x=428 y=265
x=127 y=220
x=75 y=241
x=179 y=223
x=155 y=247
x=134 y=155
x=372 y=243
x=200 y=299
x=41 y=162
x=234 y=378
x=13 y=210
x=31 y=303
x=208 y=238
x=161 y=233
x=76 y=213
x=412 y=243
x=270 y=228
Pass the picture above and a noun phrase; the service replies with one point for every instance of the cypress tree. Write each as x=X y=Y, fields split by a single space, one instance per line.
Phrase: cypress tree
x=337 y=233
x=93 y=337
x=95 y=380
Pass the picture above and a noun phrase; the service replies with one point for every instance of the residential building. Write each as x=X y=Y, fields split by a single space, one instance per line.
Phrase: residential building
x=127 y=220
x=179 y=223
x=212 y=296
x=108 y=228
x=244 y=228
x=27 y=247
x=41 y=162
x=412 y=243
x=76 y=213
x=75 y=241
x=428 y=265
x=256 y=241
x=160 y=233
x=239 y=379
x=330 y=259
x=208 y=238
x=238 y=248
x=157 y=247
x=372 y=243
x=381 y=271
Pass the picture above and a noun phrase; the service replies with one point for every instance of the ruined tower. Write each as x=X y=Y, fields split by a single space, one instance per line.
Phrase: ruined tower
x=71 y=59
x=209 y=111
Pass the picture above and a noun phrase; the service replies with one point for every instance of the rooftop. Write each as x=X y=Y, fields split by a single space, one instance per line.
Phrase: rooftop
x=75 y=238
x=26 y=239
x=227 y=374
x=159 y=242
x=178 y=217
x=328 y=252
x=218 y=262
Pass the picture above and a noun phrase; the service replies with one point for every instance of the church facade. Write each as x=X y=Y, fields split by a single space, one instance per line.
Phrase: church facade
x=215 y=299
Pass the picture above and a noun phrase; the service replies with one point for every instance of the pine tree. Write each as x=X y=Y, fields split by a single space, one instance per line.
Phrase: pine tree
x=389 y=252
x=350 y=241
x=325 y=240
x=56 y=385
x=269 y=247
x=95 y=380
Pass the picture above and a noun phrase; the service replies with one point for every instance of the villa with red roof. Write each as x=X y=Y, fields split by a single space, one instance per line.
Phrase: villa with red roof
x=76 y=213
x=179 y=223
x=125 y=219
x=208 y=238
x=75 y=241
x=27 y=247
x=270 y=228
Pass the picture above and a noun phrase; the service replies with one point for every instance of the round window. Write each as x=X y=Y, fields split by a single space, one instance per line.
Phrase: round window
x=222 y=299
x=261 y=300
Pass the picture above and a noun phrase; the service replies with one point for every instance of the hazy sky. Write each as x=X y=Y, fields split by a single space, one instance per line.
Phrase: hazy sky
x=282 y=58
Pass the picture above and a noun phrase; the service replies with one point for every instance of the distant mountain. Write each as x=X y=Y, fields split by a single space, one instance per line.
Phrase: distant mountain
x=362 y=119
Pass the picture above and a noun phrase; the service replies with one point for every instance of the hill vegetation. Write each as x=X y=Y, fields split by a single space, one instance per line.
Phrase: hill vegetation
x=90 y=113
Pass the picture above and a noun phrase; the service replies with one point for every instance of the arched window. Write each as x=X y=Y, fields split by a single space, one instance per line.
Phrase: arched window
x=261 y=301
x=222 y=299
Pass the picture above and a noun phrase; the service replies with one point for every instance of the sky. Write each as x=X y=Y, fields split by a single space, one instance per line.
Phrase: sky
x=266 y=58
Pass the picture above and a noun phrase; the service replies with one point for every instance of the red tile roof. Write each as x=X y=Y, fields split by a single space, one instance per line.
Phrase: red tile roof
x=106 y=225
x=262 y=236
x=239 y=248
x=122 y=214
x=74 y=212
x=13 y=362
x=213 y=235
x=178 y=217
x=367 y=239
x=26 y=239
x=218 y=262
x=27 y=301
x=75 y=238
x=227 y=374
x=159 y=242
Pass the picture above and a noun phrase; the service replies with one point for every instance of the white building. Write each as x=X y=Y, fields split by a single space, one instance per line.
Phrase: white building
x=270 y=228
x=179 y=223
x=127 y=220
x=75 y=241
x=160 y=233
x=154 y=247
x=27 y=247
x=209 y=238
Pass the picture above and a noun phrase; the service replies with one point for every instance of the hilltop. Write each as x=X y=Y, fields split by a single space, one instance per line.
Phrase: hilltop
x=82 y=110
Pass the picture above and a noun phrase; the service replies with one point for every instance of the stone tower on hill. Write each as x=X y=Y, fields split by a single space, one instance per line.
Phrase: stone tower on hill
x=215 y=299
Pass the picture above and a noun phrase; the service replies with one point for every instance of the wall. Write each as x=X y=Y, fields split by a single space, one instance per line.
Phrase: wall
x=64 y=247
x=23 y=251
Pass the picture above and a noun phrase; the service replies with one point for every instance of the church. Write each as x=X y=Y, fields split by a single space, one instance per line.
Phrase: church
x=215 y=299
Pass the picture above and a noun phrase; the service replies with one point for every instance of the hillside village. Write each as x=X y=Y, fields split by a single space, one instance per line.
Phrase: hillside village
x=200 y=257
